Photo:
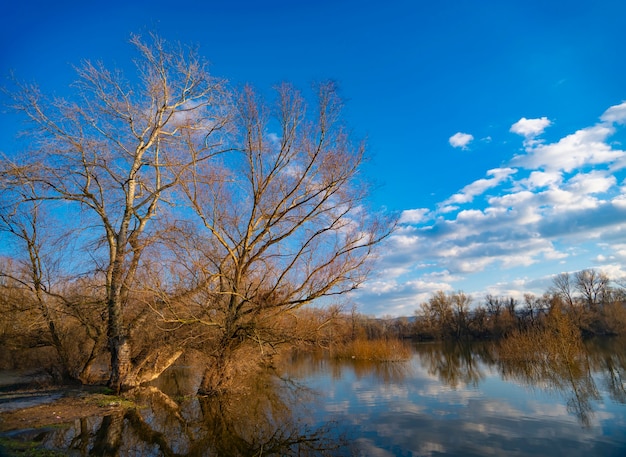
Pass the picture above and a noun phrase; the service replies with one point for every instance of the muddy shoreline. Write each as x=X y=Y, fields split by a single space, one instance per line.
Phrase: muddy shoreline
x=28 y=400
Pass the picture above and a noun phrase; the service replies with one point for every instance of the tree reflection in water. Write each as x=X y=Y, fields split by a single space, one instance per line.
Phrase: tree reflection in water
x=454 y=363
x=269 y=416
x=264 y=419
x=306 y=364
x=608 y=357
x=556 y=360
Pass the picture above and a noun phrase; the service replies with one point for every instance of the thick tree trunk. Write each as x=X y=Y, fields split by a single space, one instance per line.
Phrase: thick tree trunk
x=120 y=364
x=119 y=345
x=215 y=378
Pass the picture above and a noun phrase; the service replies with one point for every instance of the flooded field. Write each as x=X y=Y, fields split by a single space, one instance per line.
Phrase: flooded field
x=448 y=399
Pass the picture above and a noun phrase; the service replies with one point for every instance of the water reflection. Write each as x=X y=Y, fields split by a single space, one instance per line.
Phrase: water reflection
x=609 y=357
x=567 y=370
x=473 y=399
x=449 y=399
x=453 y=400
x=454 y=363
x=264 y=420
x=307 y=364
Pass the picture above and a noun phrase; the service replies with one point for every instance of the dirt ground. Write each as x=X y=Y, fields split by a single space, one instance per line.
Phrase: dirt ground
x=27 y=402
x=58 y=411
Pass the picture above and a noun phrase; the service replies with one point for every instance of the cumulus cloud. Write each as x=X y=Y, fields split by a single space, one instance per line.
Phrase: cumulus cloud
x=460 y=140
x=530 y=128
x=555 y=202
x=586 y=147
x=399 y=298
x=593 y=182
x=541 y=179
x=615 y=114
x=478 y=187
x=411 y=216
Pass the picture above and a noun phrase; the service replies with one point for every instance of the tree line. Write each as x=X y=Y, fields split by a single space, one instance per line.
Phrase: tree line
x=165 y=211
x=594 y=304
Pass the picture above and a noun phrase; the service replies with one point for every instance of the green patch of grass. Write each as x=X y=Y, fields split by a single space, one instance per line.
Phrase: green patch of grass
x=113 y=401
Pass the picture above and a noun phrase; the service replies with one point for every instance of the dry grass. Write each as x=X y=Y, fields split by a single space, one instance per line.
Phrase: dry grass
x=379 y=350
x=559 y=339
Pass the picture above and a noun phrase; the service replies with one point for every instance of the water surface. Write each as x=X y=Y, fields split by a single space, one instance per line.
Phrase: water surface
x=460 y=400
x=447 y=400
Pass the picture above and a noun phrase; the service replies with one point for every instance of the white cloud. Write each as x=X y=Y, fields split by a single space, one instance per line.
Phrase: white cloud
x=393 y=297
x=193 y=115
x=541 y=179
x=530 y=128
x=460 y=140
x=615 y=114
x=274 y=139
x=410 y=216
x=593 y=182
x=479 y=186
x=620 y=201
x=585 y=147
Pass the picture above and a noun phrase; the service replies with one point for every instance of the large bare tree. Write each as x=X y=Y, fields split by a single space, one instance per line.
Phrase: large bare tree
x=280 y=224
x=112 y=154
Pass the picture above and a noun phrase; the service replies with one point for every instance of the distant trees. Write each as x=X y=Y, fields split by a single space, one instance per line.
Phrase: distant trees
x=593 y=287
x=445 y=316
x=587 y=298
x=184 y=207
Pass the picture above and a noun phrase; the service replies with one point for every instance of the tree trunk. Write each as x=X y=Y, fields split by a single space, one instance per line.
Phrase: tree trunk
x=119 y=345
x=109 y=437
x=211 y=382
x=85 y=373
x=215 y=379
x=120 y=363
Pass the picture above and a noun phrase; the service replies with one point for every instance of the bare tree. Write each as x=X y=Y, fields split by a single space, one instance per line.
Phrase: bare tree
x=440 y=310
x=283 y=223
x=71 y=313
x=592 y=285
x=113 y=154
x=20 y=217
x=533 y=308
x=562 y=287
x=461 y=306
x=494 y=306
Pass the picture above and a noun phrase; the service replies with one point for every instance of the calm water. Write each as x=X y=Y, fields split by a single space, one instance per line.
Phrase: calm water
x=448 y=400
x=460 y=401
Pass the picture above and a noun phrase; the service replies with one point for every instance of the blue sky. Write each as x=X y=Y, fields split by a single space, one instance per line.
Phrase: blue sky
x=495 y=128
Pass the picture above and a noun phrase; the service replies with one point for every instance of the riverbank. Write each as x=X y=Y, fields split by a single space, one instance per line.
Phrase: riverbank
x=28 y=401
